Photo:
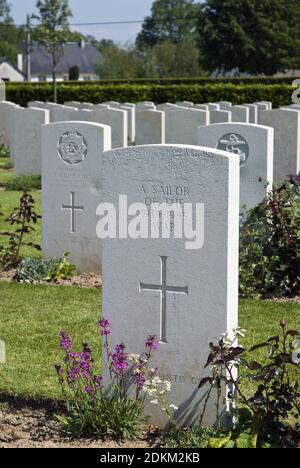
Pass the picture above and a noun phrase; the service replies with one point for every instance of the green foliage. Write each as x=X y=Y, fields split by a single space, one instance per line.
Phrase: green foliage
x=164 y=59
x=270 y=244
x=171 y=20
x=74 y=73
x=271 y=413
x=119 y=62
x=167 y=59
x=279 y=94
x=32 y=270
x=252 y=36
x=64 y=269
x=195 y=437
x=9 y=51
x=6 y=164
x=93 y=410
x=4 y=151
x=53 y=30
x=21 y=219
x=24 y=183
x=112 y=417
x=5 y=12
x=10 y=35
x=179 y=80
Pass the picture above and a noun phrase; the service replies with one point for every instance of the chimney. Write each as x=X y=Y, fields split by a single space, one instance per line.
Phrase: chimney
x=20 y=62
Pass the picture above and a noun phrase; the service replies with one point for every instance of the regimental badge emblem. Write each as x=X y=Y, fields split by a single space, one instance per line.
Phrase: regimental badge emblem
x=72 y=147
x=234 y=143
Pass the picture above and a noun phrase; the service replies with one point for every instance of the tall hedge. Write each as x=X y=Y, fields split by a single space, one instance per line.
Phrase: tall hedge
x=279 y=94
x=178 y=81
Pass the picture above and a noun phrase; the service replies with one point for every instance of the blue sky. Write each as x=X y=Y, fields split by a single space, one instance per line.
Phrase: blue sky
x=87 y=11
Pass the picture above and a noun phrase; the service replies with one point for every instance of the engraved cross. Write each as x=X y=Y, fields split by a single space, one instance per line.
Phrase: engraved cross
x=73 y=208
x=164 y=289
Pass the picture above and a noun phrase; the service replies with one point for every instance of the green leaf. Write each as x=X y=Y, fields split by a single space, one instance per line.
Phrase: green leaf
x=218 y=443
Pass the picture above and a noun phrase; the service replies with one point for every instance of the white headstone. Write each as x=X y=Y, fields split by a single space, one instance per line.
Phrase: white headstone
x=26 y=146
x=253 y=146
x=7 y=126
x=167 y=105
x=213 y=106
x=2 y=91
x=219 y=116
x=115 y=118
x=150 y=127
x=182 y=124
x=76 y=104
x=130 y=119
x=71 y=190
x=145 y=105
x=185 y=104
x=2 y=352
x=253 y=115
x=186 y=298
x=240 y=114
x=286 y=124
x=225 y=105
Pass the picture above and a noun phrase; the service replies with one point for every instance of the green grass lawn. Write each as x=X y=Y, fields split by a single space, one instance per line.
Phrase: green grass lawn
x=30 y=320
x=5 y=163
x=32 y=316
x=9 y=201
x=5 y=177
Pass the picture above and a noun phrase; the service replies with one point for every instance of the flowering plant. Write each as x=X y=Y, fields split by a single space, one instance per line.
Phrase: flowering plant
x=270 y=244
x=265 y=415
x=108 y=410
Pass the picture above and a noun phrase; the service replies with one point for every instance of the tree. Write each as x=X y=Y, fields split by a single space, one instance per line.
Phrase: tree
x=10 y=35
x=253 y=36
x=9 y=51
x=168 y=60
x=5 y=12
x=172 y=20
x=53 y=30
x=165 y=59
x=74 y=73
x=119 y=63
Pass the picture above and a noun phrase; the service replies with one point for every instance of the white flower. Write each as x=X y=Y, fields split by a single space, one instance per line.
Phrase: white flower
x=156 y=380
x=296 y=345
x=296 y=352
x=167 y=386
x=296 y=358
x=134 y=358
x=239 y=332
x=173 y=407
x=154 y=402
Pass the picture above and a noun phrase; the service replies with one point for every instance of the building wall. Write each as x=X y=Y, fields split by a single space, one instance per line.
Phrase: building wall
x=8 y=73
x=60 y=78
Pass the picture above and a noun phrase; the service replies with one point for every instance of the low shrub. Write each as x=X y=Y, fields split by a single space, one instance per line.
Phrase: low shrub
x=24 y=183
x=33 y=270
x=6 y=164
x=93 y=410
x=4 y=151
x=270 y=244
x=270 y=416
x=21 y=220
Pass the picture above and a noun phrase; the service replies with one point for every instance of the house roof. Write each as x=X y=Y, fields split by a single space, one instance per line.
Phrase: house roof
x=4 y=60
x=85 y=56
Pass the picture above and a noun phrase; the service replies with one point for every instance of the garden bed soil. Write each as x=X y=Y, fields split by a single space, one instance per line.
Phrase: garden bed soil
x=87 y=280
x=29 y=425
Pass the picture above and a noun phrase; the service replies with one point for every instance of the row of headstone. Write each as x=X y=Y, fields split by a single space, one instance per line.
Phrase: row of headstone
x=20 y=130
x=147 y=124
x=186 y=298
